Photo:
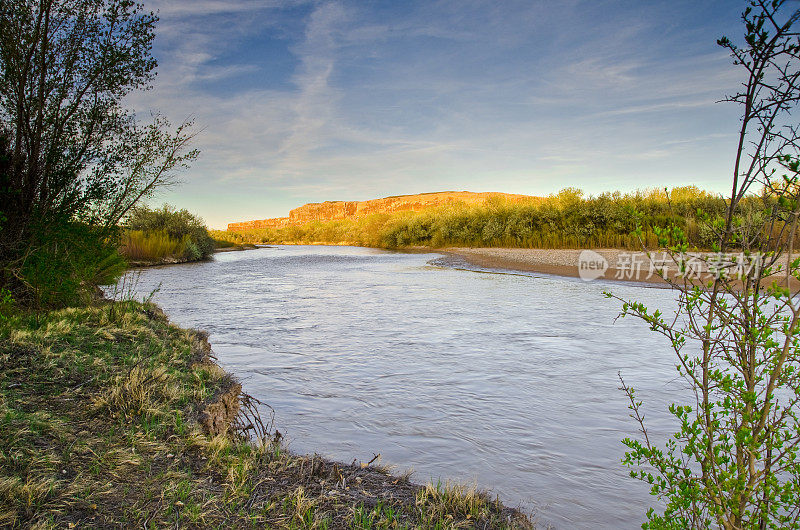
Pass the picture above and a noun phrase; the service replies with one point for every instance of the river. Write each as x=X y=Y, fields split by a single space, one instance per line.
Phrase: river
x=507 y=381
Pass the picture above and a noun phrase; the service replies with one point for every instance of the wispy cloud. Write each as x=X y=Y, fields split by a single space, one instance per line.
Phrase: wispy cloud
x=173 y=8
x=314 y=105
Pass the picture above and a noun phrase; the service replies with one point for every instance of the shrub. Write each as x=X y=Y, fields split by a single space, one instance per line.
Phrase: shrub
x=65 y=263
x=733 y=460
x=6 y=303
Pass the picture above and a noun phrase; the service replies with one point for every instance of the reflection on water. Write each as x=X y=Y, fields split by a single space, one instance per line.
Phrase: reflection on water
x=506 y=380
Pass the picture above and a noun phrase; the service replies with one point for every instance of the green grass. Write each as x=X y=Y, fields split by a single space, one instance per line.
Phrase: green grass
x=98 y=428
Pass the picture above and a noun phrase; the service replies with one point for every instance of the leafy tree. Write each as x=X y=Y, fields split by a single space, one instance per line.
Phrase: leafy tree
x=73 y=154
x=733 y=463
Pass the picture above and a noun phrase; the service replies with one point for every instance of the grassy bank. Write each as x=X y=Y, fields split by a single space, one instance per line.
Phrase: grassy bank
x=565 y=220
x=102 y=415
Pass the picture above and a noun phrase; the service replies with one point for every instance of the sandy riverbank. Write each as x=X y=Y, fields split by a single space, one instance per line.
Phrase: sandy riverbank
x=561 y=262
x=623 y=265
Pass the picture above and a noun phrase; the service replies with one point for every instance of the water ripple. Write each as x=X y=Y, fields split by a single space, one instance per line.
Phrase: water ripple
x=506 y=380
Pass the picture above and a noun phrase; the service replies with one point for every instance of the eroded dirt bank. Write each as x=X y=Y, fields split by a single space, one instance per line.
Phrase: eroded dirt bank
x=111 y=416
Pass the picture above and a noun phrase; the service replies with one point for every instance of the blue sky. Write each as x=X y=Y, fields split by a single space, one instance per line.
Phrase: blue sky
x=338 y=100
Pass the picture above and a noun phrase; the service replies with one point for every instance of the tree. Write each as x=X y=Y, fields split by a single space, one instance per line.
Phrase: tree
x=74 y=153
x=734 y=461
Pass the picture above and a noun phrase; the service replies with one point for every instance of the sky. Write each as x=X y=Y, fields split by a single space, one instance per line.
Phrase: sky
x=299 y=102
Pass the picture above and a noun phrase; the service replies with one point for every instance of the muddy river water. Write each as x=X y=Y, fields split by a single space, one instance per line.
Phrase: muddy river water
x=508 y=381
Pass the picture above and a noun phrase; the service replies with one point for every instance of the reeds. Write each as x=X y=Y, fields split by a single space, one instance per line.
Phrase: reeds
x=155 y=246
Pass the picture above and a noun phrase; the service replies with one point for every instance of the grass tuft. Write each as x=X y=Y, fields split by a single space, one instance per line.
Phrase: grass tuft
x=138 y=246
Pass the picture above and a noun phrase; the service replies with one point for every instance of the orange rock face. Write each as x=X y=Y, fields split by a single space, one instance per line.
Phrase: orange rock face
x=333 y=210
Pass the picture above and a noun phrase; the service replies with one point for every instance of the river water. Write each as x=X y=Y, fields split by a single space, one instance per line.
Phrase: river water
x=507 y=381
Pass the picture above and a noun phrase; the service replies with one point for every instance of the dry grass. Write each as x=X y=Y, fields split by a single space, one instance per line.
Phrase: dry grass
x=98 y=428
x=156 y=246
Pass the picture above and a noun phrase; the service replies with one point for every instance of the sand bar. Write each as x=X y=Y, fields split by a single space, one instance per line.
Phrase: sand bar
x=623 y=265
x=561 y=262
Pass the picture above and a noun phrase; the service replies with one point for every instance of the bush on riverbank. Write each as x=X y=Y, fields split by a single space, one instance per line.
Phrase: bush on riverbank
x=99 y=427
x=565 y=220
x=165 y=235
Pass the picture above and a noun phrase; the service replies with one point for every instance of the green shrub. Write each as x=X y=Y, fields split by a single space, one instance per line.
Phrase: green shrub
x=193 y=252
x=65 y=263
x=6 y=304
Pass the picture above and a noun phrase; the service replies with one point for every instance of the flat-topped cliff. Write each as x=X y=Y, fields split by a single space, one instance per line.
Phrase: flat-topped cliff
x=333 y=210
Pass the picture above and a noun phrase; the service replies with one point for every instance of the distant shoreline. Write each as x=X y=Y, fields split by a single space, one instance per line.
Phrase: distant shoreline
x=239 y=248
